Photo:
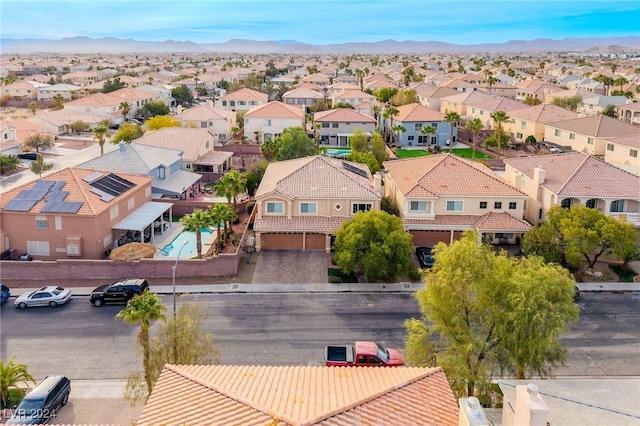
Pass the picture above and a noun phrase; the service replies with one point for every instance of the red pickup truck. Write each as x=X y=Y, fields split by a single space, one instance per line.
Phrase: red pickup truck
x=363 y=354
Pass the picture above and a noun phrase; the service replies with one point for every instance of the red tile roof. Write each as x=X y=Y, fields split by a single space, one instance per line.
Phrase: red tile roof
x=276 y=109
x=342 y=115
x=417 y=113
x=256 y=395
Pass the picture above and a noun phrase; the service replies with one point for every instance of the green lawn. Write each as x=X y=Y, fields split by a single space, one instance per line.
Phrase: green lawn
x=461 y=152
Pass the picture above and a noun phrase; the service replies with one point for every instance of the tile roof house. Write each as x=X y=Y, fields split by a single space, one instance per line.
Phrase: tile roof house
x=352 y=97
x=9 y=143
x=483 y=109
x=57 y=122
x=24 y=128
x=22 y=89
x=413 y=117
x=588 y=134
x=269 y=120
x=440 y=196
x=593 y=105
x=103 y=104
x=67 y=91
x=302 y=96
x=301 y=202
x=206 y=116
x=291 y=396
x=623 y=151
x=574 y=178
x=242 y=100
x=337 y=125
x=74 y=213
x=460 y=102
x=430 y=96
x=532 y=120
x=629 y=113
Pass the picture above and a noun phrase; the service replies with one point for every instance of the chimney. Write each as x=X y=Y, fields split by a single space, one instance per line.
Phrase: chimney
x=377 y=183
x=538 y=175
x=122 y=146
x=529 y=408
x=471 y=413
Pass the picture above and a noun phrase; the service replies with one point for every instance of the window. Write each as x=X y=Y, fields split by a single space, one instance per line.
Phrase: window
x=572 y=136
x=114 y=212
x=473 y=110
x=590 y=141
x=610 y=147
x=512 y=205
x=523 y=125
x=411 y=137
x=454 y=206
x=540 y=214
x=557 y=132
x=497 y=205
x=617 y=206
x=591 y=203
x=566 y=203
x=267 y=122
x=162 y=172
x=633 y=153
x=308 y=208
x=361 y=207
x=519 y=135
x=38 y=248
x=325 y=125
x=483 y=204
x=417 y=127
x=41 y=222
x=275 y=207
x=203 y=124
x=418 y=206
x=335 y=125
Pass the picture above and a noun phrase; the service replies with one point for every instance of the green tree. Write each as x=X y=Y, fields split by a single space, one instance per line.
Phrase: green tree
x=359 y=141
x=11 y=375
x=405 y=97
x=531 y=100
x=387 y=205
x=588 y=233
x=79 y=126
x=38 y=166
x=571 y=103
x=378 y=148
x=294 y=143
x=160 y=121
x=484 y=312
x=385 y=94
x=58 y=99
x=365 y=158
x=154 y=108
x=38 y=141
x=543 y=241
x=389 y=113
x=452 y=118
x=32 y=107
x=620 y=81
x=182 y=95
x=231 y=185
x=222 y=215
x=426 y=131
x=125 y=107
x=398 y=129
x=127 y=132
x=375 y=244
x=499 y=118
x=195 y=222
x=610 y=111
x=9 y=163
x=144 y=309
x=99 y=133
x=112 y=85
x=269 y=149
x=474 y=126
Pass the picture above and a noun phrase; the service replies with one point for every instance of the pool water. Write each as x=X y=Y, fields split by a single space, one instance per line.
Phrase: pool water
x=173 y=248
x=337 y=152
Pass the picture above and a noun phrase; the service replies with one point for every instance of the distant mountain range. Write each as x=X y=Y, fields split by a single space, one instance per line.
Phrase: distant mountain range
x=629 y=44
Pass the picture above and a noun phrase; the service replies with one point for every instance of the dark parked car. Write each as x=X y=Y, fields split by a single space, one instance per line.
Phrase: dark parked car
x=43 y=401
x=576 y=293
x=425 y=257
x=5 y=294
x=28 y=156
x=118 y=292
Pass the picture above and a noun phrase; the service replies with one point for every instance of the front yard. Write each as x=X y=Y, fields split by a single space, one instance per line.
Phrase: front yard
x=461 y=152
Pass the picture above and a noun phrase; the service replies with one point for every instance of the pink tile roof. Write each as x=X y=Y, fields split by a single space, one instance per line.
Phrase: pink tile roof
x=467 y=97
x=338 y=396
x=317 y=177
x=600 y=126
x=78 y=189
x=342 y=115
x=275 y=109
x=543 y=113
x=418 y=113
x=322 y=224
x=632 y=141
x=245 y=94
x=97 y=99
x=302 y=93
x=446 y=174
x=205 y=112
x=501 y=103
x=354 y=94
x=187 y=140
x=492 y=221
x=577 y=174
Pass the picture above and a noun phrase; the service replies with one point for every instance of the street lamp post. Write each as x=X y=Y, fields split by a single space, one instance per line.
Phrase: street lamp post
x=173 y=273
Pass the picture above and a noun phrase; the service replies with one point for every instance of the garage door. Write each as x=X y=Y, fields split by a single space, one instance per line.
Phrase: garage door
x=281 y=241
x=430 y=238
x=316 y=241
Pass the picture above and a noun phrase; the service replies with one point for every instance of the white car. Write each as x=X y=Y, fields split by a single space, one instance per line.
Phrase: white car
x=46 y=296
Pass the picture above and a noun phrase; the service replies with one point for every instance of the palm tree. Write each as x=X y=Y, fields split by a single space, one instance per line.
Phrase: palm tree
x=474 y=126
x=195 y=221
x=491 y=80
x=11 y=374
x=620 y=81
x=498 y=118
x=144 y=309
x=99 y=133
x=452 y=118
x=427 y=130
x=231 y=185
x=59 y=100
x=398 y=129
x=222 y=214
x=389 y=113
x=125 y=108
x=32 y=107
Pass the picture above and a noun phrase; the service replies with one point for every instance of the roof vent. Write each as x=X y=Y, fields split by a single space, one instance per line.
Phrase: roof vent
x=532 y=389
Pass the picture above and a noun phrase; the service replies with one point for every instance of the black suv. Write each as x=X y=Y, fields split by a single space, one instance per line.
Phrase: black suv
x=425 y=257
x=118 y=292
x=43 y=401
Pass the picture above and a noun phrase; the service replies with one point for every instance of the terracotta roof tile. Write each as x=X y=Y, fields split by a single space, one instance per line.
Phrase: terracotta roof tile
x=492 y=221
x=187 y=140
x=255 y=395
x=600 y=126
x=418 y=113
x=245 y=94
x=275 y=109
x=322 y=224
x=499 y=104
x=632 y=141
x=342 y=115
x=543 y=113
x=446 y=174
x=206 y=112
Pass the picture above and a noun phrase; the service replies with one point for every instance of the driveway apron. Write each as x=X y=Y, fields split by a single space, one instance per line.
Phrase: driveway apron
x=291 y=267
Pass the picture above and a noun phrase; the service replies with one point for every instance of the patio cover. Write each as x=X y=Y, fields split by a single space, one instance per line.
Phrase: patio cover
x=143 y=216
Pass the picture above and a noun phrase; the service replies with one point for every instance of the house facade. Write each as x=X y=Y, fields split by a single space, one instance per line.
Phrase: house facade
x=302 y=202
x=622 y=152
x=414 y=117
x=629 y=113
x=267 y=121
x=67 y=91
x=441 y=196
x=337 y=125
x=242 y=100
x=531 y=121
x=206 y=116
x=574 y=178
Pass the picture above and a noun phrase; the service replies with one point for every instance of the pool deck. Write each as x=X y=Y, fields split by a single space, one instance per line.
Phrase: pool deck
x=161 y=240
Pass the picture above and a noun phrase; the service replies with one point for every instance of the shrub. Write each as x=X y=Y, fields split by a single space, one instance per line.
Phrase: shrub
x=250 y=206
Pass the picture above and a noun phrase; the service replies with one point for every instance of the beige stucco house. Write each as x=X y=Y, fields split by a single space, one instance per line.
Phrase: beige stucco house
x=623 y=151
x=67 y=91
x=337 y=125
x=302 y=202
x=270 y=120
x=532 y=120
x=440 y=196
x=22 y=89
x=75 y=212
x=242 y=100
x=206 y=116
x=574 y=178
x=629 y=113
x=103 y=104
x=588 y=134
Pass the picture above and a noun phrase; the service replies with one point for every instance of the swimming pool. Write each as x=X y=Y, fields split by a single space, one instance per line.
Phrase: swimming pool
x=173 y=248
x=337 y=152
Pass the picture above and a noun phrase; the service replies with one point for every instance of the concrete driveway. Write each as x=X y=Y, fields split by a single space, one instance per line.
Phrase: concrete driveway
x=291 y=267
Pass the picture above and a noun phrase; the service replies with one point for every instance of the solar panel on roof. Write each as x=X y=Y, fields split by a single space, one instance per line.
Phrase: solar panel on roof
x=112 y=184
x=92 y=176
x=103 y=195
x=44 y=185
x=354 y=169
x=61 y=207
x=31 y=194
x=58 y=185
x=56 y=195
x=20 y=205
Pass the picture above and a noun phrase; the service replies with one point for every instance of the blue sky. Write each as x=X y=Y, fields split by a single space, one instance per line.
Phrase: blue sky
x=320 y=21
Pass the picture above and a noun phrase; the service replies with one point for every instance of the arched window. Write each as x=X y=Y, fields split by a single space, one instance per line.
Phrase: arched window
x=591 y=203
x=566 y=203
